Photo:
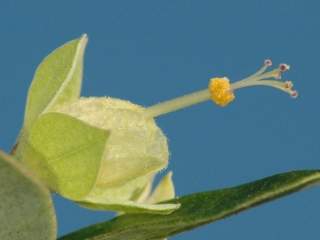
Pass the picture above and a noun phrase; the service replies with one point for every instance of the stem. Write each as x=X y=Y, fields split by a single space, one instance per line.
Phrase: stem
x=178 y=103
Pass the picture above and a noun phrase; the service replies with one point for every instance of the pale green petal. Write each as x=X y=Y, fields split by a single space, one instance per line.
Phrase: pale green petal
x=57 y=80
x=164 y=191
x=146 y=192
x=66 y=153
x=123 y=198
x=129 y=191
x=26 y=210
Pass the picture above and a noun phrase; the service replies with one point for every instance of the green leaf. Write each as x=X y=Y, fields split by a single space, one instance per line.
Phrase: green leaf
x=57 y=80
x=26 y=210
x=198 y=209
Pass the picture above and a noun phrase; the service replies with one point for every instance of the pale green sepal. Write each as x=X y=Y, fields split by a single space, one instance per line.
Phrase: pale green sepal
x=68 y=155
x=57 y=80
x=26 y=210
x=132 y=207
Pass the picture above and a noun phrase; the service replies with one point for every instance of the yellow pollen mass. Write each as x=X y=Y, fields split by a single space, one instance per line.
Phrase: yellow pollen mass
x=220 y=91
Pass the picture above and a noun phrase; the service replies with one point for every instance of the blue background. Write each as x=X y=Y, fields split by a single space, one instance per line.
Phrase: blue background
x=148 y=51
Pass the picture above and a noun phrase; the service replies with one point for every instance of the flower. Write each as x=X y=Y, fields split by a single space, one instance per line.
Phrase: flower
x=104 y=152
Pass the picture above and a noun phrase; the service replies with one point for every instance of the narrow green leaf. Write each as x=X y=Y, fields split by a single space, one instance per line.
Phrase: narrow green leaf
x=26 y=210
x=198 y=209
x=57 y=80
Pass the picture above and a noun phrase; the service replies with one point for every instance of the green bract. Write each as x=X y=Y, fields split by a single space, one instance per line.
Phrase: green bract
x=101 y=152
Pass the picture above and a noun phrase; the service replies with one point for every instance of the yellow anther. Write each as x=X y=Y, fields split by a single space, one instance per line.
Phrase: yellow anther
x=220 y=91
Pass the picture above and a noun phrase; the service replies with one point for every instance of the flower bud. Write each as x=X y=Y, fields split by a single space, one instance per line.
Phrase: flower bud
x=100 y=152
